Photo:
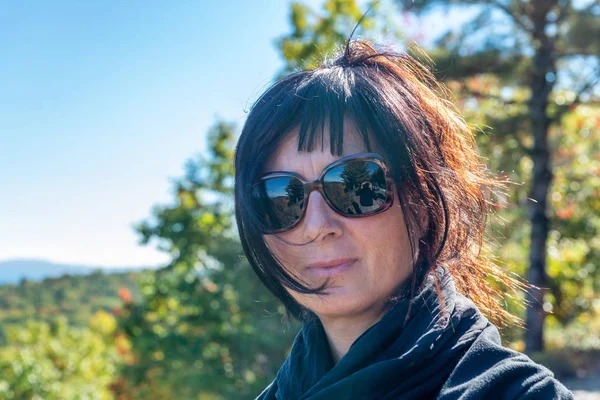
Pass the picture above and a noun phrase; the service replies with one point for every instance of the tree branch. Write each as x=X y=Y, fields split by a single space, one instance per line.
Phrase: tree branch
x=563 y=12
x=512 y=15
x=590 y=6
x=589 y=85
x=480 y=95
x=574 y=53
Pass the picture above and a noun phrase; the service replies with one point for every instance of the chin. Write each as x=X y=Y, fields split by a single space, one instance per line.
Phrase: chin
x=341 y=302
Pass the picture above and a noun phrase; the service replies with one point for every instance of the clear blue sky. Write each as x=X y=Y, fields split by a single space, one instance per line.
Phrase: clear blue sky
x=101 y=102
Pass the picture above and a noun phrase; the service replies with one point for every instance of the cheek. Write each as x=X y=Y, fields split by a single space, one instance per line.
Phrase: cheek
x=275 y=246
x=385 y=238
x=288 y=255
x=381 y=241
x=388 y=224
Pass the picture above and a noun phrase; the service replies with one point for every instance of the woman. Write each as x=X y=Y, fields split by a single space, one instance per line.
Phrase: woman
x=393 y=297
x=366 y=196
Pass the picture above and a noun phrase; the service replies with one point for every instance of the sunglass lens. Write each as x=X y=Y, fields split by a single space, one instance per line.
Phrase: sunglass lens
x=279 y=202
x=357 y=187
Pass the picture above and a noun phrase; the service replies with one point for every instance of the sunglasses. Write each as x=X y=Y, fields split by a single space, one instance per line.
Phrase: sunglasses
x=355 y=186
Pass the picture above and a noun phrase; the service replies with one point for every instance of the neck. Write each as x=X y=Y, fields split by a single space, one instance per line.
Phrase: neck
x=342 y=332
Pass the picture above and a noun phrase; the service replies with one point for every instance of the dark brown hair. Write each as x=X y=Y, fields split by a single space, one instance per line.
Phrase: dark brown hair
x=394 y=99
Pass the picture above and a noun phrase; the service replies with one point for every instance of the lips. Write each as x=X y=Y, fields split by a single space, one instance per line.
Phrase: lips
x=330 y=263
x=330 y=268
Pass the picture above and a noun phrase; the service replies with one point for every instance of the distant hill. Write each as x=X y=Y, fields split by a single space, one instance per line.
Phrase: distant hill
x=12 y=271
x=75 y=297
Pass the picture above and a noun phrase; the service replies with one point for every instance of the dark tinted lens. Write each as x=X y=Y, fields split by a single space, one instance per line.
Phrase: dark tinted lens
x=278 y=202
x=357 y=187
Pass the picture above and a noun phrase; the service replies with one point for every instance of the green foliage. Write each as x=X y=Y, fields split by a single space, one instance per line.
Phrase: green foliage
x=526 y=71
x=58 y=337
x=573 y=248
x=574 y=244
x=56 y=361
x=488 y=71
x=354 y=174
x=316 y=34
x=202 y=328
x=206 y=328
x=77 y=298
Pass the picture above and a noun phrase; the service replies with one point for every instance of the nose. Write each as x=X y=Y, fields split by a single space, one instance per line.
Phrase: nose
x=320 y=221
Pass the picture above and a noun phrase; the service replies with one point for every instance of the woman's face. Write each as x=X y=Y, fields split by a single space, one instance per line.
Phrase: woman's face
x=379 y=244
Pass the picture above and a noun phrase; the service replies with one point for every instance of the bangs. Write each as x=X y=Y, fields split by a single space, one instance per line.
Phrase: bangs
x=318 y=100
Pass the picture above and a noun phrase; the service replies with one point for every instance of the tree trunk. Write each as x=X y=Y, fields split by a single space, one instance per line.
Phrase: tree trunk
x=543 y=63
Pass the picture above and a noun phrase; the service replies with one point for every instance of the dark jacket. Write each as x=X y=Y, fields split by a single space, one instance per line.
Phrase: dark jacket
x=366 y=196
x=450 y=352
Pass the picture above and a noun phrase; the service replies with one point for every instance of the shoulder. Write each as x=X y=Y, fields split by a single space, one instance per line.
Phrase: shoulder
x=489 y=370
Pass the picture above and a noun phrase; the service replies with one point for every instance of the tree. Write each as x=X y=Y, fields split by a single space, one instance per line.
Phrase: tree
x=295 y=191
x=547 y=40
x=315 y=34
x=56 y=361
x=521 y=82
x=202 y=327
x=354 y=174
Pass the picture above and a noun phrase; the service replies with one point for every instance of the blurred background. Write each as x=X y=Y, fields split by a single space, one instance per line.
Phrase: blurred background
x=121 y=273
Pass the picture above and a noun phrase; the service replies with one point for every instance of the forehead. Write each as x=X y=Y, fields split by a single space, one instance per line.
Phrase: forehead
x=310 y=164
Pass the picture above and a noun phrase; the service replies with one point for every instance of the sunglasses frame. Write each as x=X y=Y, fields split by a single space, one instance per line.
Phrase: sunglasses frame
x=317 y=185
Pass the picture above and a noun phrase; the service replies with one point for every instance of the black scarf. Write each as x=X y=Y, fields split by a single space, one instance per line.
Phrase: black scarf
x=391 y=360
